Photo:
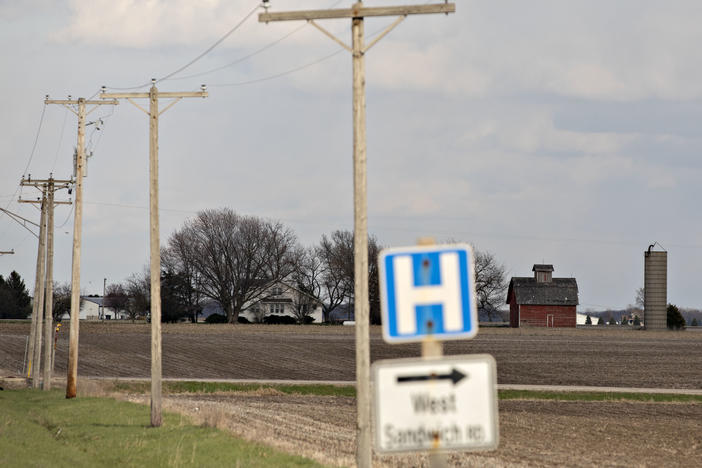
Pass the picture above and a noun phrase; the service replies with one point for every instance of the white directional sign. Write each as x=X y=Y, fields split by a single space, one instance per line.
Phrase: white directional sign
x=428 y=291
x=447 y=404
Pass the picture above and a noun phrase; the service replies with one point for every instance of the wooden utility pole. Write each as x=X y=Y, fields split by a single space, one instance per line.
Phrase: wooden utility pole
x=153 y=96
x=361 y=306
x=81 y=112
x=45 y=273
x=34 y=355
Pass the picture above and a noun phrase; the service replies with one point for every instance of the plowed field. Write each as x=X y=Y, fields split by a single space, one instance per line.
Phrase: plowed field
x=591 y=357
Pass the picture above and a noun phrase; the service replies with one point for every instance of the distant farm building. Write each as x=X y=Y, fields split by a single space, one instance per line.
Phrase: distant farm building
x=541 y=300
x=93 y=308
x=280 y=299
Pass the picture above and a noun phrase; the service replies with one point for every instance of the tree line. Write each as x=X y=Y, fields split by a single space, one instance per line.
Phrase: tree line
x=234 y=260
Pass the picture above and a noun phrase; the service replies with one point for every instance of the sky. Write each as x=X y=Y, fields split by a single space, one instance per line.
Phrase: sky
x=548 y=131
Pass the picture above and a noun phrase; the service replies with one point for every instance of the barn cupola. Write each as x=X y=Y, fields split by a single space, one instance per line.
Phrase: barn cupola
x=543 y=273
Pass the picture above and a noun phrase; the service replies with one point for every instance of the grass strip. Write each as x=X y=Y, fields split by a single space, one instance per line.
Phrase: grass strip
x=45 y=429
x=212 y=387
x=350 y=391
x=597 y=396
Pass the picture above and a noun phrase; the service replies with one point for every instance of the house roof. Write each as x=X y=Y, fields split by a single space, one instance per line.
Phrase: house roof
x=559 y=291
x=96 y=300
x=542 y=267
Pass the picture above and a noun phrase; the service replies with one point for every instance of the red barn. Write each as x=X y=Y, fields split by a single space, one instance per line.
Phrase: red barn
x=542 y=301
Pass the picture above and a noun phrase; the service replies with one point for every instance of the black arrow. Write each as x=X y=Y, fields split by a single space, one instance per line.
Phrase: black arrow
x=454 y=376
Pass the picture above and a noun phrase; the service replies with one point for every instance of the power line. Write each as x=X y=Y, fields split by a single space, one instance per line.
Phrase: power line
x=287 y=72
x=58 y=148
x=256 y=52
x=256 y=7
x=207 y=51
x=36 y=140
x=245 y=57
x=70 y=212
x=278 y=75
x=31 y=156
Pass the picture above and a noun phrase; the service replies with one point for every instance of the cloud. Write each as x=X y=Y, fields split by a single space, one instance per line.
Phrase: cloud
x=150 y=23
x=624 y=51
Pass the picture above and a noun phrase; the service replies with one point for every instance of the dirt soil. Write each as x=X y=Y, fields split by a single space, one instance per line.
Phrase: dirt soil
x=532 y=433
x=590 y=357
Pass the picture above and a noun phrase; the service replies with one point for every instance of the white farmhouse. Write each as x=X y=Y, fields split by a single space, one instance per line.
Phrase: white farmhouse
x=279 y=299
x=91 y=308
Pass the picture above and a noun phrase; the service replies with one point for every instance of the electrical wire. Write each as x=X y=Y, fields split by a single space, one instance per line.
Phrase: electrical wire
x=90 y=148
x=138 y=207
x=67 y=217
x=278 y=75
x=245 y=57
x=287 y=72
x=207 y=51
x=29 y=161
x=229 y=33
x=58 y=148
x=36 y=140
x=248 y=56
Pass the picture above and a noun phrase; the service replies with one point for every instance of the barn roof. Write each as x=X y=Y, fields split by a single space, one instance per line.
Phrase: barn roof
x=559 y=291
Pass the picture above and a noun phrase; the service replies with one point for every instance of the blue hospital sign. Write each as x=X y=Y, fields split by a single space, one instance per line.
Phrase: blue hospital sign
x=428 y=290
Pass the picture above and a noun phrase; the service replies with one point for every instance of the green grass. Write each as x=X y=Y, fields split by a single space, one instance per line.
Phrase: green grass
x=211 y=387
x=44 y=429
x=350 y=391
x=597 y=396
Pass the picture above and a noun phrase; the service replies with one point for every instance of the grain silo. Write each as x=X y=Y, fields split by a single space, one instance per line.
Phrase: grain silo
x=655 y=289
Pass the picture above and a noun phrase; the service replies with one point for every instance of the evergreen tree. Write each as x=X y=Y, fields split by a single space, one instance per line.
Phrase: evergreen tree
x=14 y=298
x=694 y=322
x=600 y=321
x=675 y=319
x=588 y=320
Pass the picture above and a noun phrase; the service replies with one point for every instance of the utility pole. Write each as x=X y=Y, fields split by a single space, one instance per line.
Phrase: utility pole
x=104 y=287
x=45 y=271
x=153 y=96
x=357 y=13
x=72 y=373
x=34 y=355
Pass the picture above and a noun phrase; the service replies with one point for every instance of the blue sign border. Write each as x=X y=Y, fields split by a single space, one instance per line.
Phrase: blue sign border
x=428 y=313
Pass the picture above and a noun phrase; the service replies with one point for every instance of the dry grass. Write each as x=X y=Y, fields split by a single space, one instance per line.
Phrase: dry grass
x=533 y=433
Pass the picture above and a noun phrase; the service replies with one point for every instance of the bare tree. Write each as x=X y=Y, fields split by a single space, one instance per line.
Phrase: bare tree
x=490 y=283
x=237 y=257
x=336 y=254
x=177 y=263
x=305 y=283
x=116 y=298
x=138 y=289
x=640 y=298
x=62 y=300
